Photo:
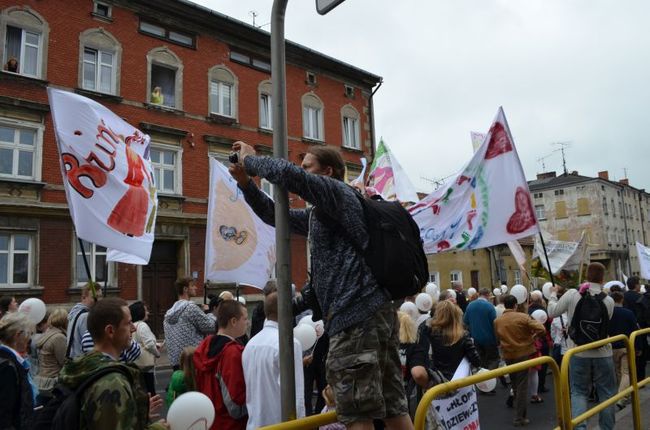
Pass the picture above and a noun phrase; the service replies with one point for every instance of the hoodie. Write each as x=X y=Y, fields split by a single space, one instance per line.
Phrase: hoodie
x=127 y=407
x=220 y=376
x=185 y=325
x=79 y=329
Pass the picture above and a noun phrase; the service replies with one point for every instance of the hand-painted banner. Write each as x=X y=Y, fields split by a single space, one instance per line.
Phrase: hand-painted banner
x=460 y=410
x=644 y=260
x=477 y=140
x=562 y=255
x=487 y=204
x=388 y=178
x=108 y=179
x=239 y=246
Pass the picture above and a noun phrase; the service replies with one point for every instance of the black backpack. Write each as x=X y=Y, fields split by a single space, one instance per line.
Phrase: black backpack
x=590 y=321
x=395 y=254
x=63 y=410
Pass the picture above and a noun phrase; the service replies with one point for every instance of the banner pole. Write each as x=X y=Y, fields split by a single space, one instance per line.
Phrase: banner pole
x=206 y=284
x=91 y=281
x=550 y=271
x=105 y=279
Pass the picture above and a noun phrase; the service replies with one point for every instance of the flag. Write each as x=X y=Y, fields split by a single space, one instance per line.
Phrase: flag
x=562 y=255
x=644 y=260
x=239 y=246
x=517 y=252
x=358 y=181
x=487 y=204
x=388 y=178
x=107 y=175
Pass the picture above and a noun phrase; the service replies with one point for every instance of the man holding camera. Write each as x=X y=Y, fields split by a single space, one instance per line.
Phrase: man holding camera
x=357 y=312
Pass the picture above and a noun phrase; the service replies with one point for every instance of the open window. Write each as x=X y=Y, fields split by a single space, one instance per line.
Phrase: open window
x=25 y=37
x=165 y=78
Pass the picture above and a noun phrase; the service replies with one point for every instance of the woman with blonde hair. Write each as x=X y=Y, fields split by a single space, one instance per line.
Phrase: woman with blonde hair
x=182 y=380
x=414 y=361
x=449 y=340
x=51 y=347
x=16 y=391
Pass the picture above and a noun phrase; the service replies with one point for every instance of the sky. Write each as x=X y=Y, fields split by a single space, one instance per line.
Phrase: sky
x=570 y=71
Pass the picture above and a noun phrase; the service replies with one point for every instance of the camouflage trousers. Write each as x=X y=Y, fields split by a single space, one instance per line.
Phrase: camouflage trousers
x=364 y=370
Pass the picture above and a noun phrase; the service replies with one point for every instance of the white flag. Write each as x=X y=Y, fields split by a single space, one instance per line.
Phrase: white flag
x=387 y=177
x=562 y=255
x=239 y=246
x=477 y=140
x=644 y=260
x=107 y=175
x=487 y=204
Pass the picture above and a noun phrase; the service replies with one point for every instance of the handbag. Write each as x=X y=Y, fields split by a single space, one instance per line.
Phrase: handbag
x=146 y=361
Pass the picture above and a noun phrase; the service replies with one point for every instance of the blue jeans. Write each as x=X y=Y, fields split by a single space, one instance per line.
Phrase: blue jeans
x=599 y=372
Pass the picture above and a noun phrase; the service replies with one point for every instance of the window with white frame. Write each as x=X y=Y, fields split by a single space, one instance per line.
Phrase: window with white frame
x=223 y=92
x=165 y=78
x=456 y=276
x=434 y=277
x=350 y=117
x=540 y=213
x=96 y=257
x=23 y=51
x=266 y=107
x=100 y=55
x=517 y=276
x=312 y=117
x=16 y=259
x=166 y=164
x=267 y=187
x=20 y=149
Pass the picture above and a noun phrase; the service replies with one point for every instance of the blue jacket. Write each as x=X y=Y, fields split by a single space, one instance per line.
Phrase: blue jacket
x=623 y=322
x=479 y=319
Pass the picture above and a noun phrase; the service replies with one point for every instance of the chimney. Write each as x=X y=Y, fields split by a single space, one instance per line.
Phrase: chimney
x=604 y=175
x=574 y=173
x=546 y=175
x=624 y=181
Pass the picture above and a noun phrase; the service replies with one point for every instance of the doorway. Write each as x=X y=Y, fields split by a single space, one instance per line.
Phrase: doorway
x=158 y=279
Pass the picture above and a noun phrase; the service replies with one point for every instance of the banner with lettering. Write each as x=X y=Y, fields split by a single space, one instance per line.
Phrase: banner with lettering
x=561 y=254
x=107 y=175
x=644 y=260
x=487 y=204
x=460 y=410
x=239 y=246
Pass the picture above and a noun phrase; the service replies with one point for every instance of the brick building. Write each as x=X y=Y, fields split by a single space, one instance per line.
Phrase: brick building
x=195 y=81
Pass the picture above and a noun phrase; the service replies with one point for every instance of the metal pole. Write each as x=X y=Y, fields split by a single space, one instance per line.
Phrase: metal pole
x=282 y=240
x=91 y=281
x=550 y=271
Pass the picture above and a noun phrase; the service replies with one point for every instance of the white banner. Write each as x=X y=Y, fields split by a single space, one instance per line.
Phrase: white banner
x=107 y=175
x=644 y=260
x=487 y=204
x=388 y=178
x=477 y=140
x=239 y=246
x=562 y=255
x=459 y=411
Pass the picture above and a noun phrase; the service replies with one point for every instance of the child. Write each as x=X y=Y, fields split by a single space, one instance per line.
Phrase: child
x=182 y=380
x=328 y=395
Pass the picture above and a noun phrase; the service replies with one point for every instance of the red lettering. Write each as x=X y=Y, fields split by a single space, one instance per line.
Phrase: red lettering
x=74 y=172
x=93 y=157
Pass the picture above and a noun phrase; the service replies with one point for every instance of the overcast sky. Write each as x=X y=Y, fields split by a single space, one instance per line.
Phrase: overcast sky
x=573 y=71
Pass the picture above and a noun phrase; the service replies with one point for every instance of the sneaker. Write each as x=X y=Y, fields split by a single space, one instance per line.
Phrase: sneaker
x=521 y=422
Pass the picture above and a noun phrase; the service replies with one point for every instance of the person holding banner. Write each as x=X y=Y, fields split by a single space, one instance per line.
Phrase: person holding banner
x=357 y=312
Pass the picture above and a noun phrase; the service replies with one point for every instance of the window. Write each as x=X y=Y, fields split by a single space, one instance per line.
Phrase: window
x=583 y=206
x=249 y=60
x=165 y=78
x=351 y=137
x=456 y=276
x=166 y=164
x=310 y=78
x=434 y=277
x=16 y=259
x=559 y=192
x=161 y=32
x=266 y=111
x=223 y=92
x=613 y=209
x=349 y=91
x=560 y=209
x=517 y=276
x=102 y=10
x=20 y=149
x=312 y=117
x=539 y=212
x=100 y=56
x=605 y=206
x=24 y=47
x=538 y=195
x=267 y=187
x=96 y=256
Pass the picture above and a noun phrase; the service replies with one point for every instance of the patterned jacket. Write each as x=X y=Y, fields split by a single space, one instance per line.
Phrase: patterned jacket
x=185 y=325
x=346 y=289
x=113 y=402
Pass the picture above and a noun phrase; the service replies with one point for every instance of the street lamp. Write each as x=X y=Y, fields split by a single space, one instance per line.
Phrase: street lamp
x=282 y=233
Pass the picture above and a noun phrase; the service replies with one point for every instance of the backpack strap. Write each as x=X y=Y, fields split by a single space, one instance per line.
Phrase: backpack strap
x=101 y=373
x=74 y=326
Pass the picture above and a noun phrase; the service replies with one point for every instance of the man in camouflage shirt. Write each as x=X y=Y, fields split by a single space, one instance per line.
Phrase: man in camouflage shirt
x=113 y=402
x=363 y=365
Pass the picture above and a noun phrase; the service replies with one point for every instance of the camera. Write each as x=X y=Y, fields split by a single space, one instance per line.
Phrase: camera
x=233 y=157
x=307 y=300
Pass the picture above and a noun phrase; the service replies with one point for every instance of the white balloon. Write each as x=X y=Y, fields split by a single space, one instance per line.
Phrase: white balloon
x=610 y=284
x=424 y=302
x=499 y=309
x=34 y=308
x=452 y=293
x=307 y=320
x=191 y=410
x=546 y=290
x=539 y=315
x=471 y=291
x=242 y=300
x=431 y=289
x=410 y=309
x=486 y=386
x=504 y=288
x=306 y=335
x=497 y=292
x=520 y=292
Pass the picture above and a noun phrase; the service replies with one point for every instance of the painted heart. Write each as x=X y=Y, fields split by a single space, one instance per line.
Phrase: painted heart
x=499 y=141
x=524 y=216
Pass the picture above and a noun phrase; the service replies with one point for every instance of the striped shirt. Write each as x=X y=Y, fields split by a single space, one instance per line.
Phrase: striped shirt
x=129 y=355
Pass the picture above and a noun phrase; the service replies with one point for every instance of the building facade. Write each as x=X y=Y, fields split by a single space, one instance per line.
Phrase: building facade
x=194 y=80
x=613 y=215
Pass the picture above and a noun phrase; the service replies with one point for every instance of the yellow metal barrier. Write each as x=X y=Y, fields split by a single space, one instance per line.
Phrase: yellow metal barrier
x=307 y=423
x=633 y=381
x=420 y=414
x=566 y=393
